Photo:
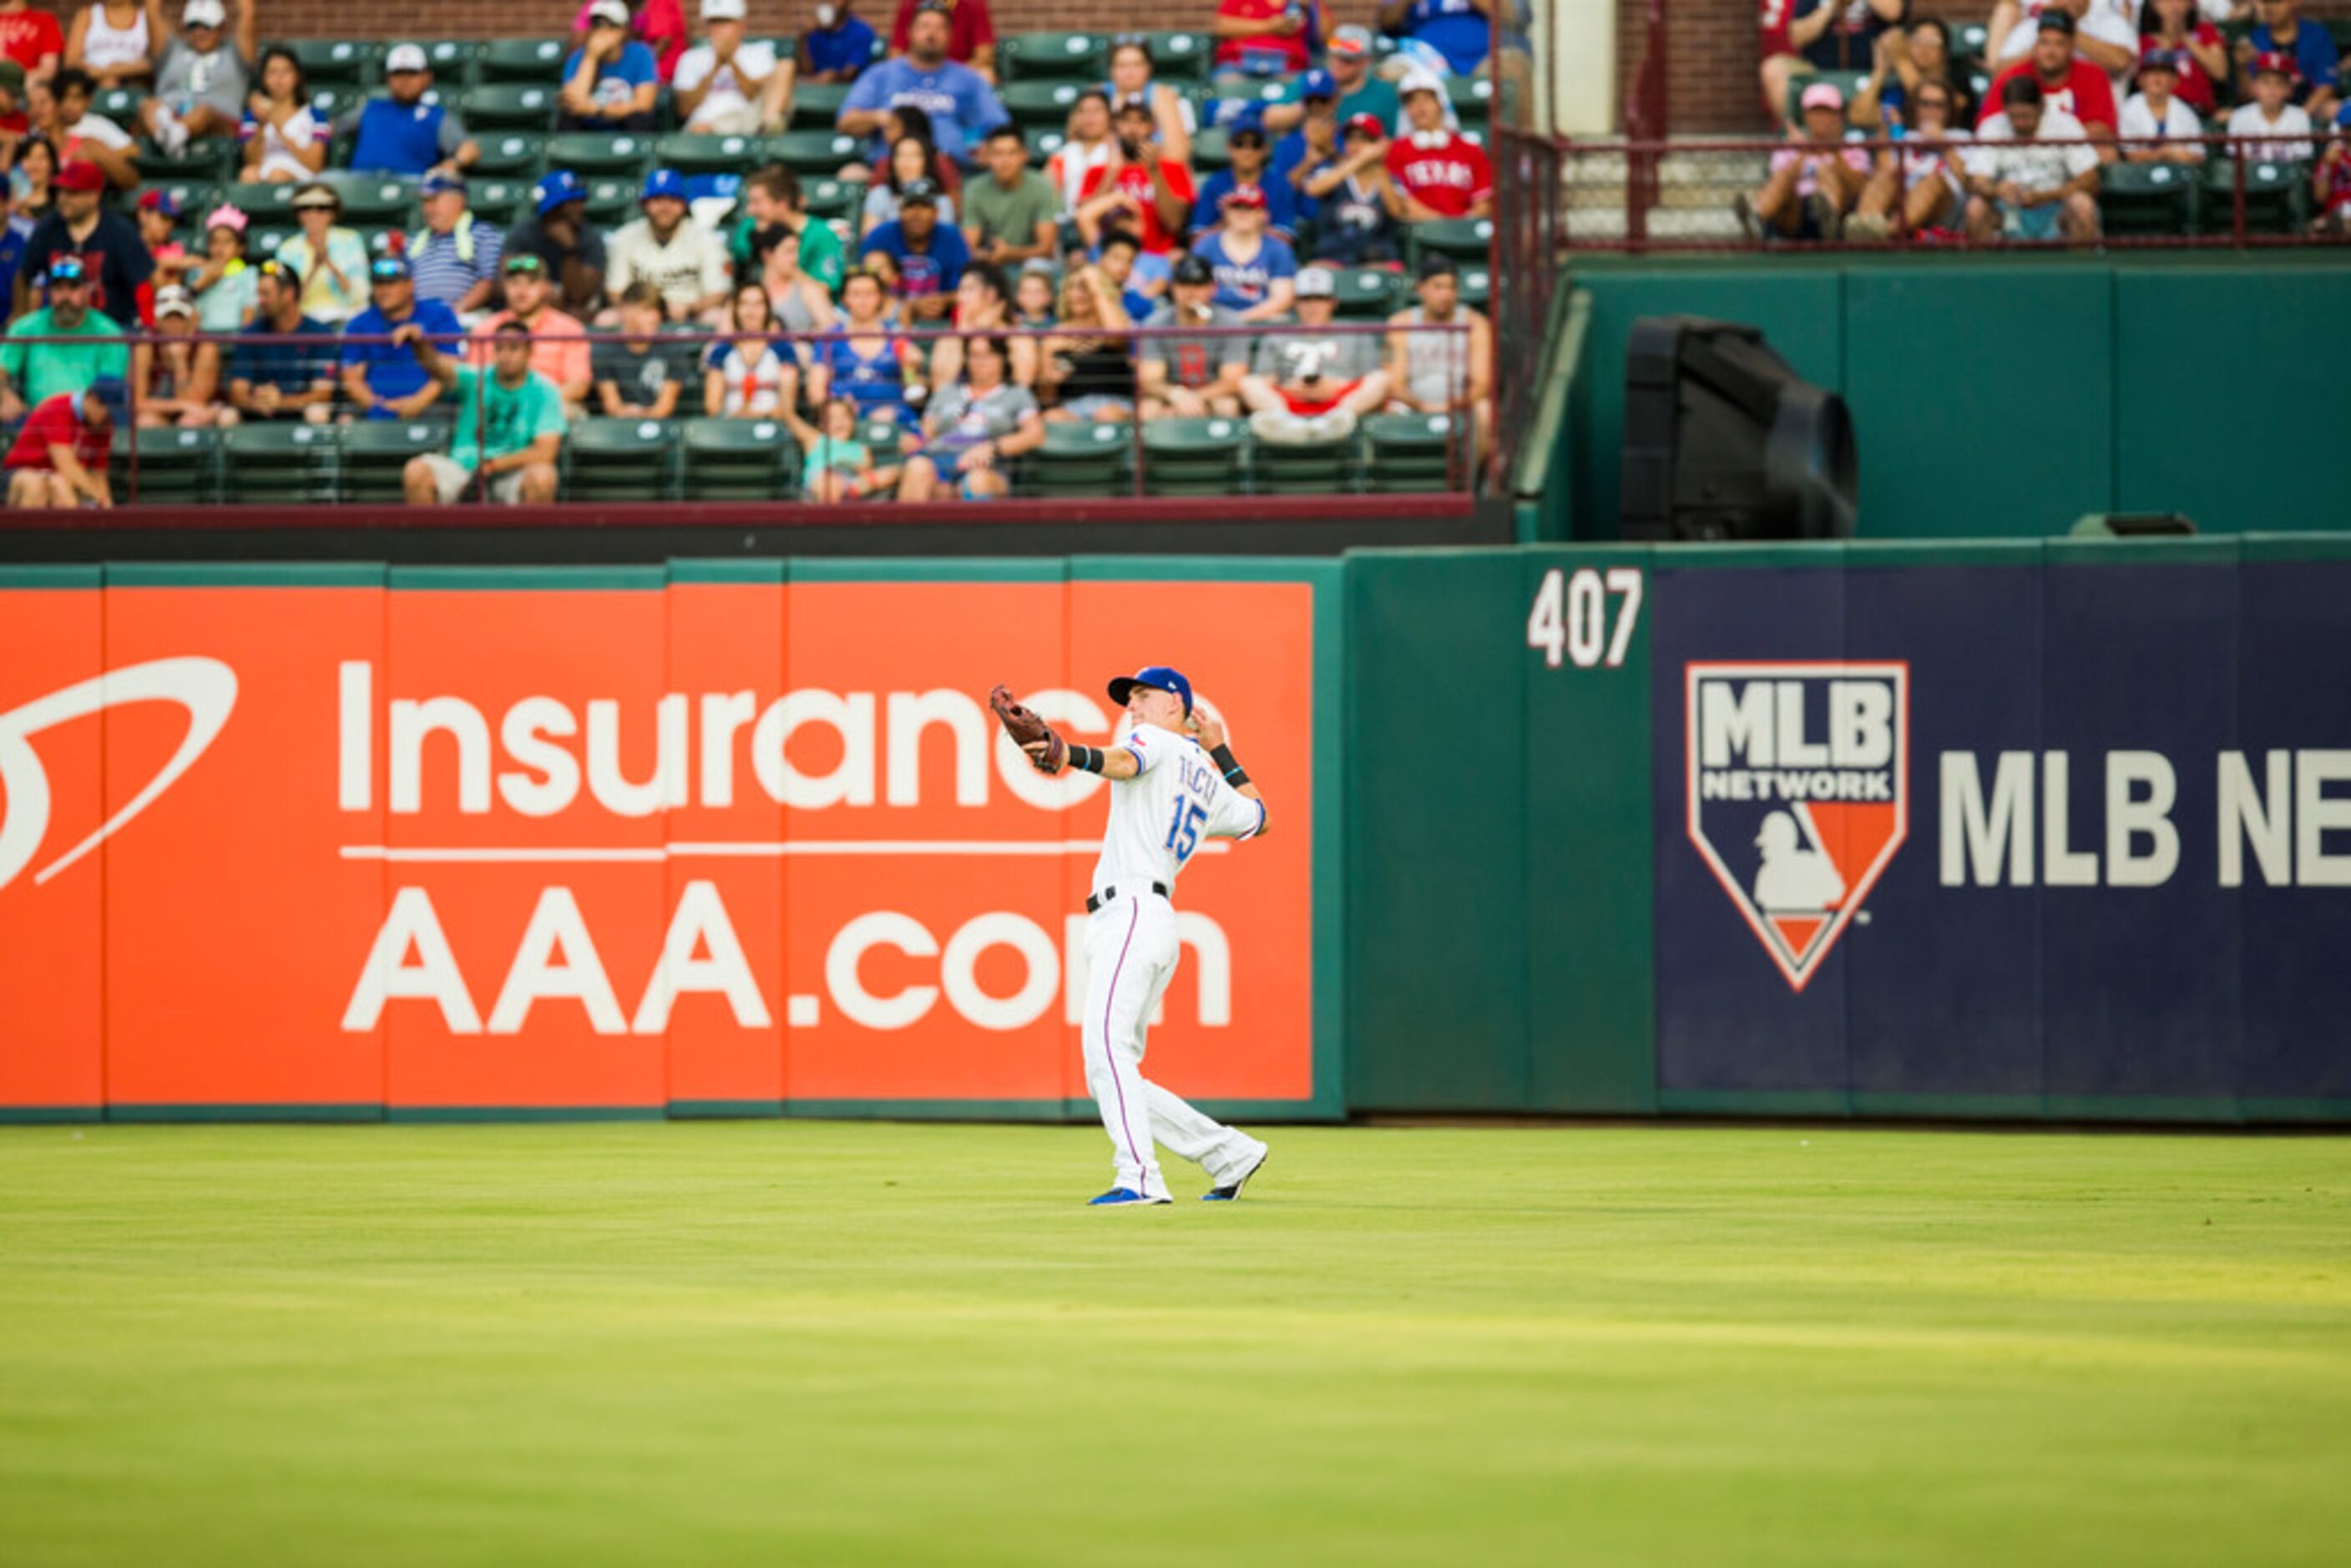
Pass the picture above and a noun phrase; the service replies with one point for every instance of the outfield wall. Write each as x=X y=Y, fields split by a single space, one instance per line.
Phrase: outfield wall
x=2066 y=830
x=709 y=839
x=2003 y=397
x=2009 y=830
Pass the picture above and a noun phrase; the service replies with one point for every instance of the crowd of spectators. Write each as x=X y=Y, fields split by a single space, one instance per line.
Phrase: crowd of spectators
x=917 y=346
x=2016 y=144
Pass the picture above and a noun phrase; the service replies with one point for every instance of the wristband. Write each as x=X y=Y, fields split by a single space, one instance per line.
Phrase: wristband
x=1088 y=759
x=1234 y=774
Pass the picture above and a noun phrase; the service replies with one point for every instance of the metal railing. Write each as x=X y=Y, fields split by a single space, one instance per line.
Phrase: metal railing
x=1651 y=196
x=1098 y=452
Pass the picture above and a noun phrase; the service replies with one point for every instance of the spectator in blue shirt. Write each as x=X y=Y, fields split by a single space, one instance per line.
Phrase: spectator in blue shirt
x=1460 y=30
x=839 y=48
x=963 y=107
x=919 y=259
x=1254 y=270
x=609 y=82
x=1251 y=169
x=383 y=380
x=283 y=379
x=2312 y=48
x=399 y=132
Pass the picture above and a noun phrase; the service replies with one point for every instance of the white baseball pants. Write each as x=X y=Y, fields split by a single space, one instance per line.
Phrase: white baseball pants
x=1131 y=954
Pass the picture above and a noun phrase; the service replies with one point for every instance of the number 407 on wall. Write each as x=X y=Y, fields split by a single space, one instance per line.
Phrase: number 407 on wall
x=1571 y=615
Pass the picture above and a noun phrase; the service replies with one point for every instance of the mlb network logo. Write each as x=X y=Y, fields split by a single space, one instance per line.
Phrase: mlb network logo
x=1798 y=793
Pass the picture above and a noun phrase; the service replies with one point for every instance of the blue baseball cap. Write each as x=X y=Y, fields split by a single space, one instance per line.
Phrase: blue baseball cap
x=435 y=185
x=662 y=182
x=114 y=394
x=558 y=186
x=1318 y=84
x=1157 y=678
x=1249 y=117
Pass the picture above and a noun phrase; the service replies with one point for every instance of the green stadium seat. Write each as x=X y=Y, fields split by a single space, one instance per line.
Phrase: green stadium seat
x=275 y=462
x=374 y=454
x=1408 y=451
x=739 y=460
x=454 y=63
x=211 y=162
x=882 y=435
x=612 y=201
x=1970 y=41
x=498 y=202
x=1317 y=468
x=2138 y=199
x=510 y=154
x=2277 y=196
x=510 y=106
x=622 y=460
x=1367 y=293
x=1464 y=239
x=1209 y=151
x=689 y=154
x=1473 y=99
x=1477 y=285
x=1054 y=57
x=1193 y=456
x=832 y=200
x=333 y=99
x=264 y=204
x=1043 y=142
x=815 y=151
x=591 y=152
x=1180 y=57
x=377 y=201
x=523 y=59
x=262 y=239
x=1032 y=104
x=352 y=60
x=817 y=105
x=175 y=467
x=1080 y=458
x=120 y=105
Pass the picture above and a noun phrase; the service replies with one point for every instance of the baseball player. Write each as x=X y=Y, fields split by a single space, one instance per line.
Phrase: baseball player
x=1168 y=791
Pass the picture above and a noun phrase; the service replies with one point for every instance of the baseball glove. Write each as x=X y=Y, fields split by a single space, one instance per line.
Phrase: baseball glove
x=1026 y=729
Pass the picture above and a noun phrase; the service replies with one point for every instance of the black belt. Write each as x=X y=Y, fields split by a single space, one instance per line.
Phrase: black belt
x=1110 y=895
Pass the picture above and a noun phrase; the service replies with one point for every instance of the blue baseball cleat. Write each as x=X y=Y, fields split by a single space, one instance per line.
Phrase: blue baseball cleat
x=1232 y=1189
x=1122 y=1197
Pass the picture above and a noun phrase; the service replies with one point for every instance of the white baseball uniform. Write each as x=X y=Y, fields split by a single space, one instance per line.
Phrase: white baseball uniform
x=1157 y=819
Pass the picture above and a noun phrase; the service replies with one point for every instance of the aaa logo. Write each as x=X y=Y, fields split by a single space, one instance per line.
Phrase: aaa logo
x=1798 y=793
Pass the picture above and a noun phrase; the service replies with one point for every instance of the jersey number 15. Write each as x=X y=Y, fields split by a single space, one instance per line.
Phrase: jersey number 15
x=1184 y=829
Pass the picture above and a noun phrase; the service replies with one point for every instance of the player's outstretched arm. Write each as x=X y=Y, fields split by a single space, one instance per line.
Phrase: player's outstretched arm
x=1111 y=762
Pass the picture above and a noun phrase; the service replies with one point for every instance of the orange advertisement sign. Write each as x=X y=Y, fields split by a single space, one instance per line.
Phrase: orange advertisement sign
x=604 y=840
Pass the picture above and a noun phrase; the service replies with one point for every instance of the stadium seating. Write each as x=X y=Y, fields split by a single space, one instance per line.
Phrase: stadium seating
x=272 y=463
x=173 y=468
x=814 y=151
x=379 y=201
x=2277 y=196
x=591 y=152
x=739 y=460
x=1079 y=459
x=1193 y=456
x=325 y=60
x=374 y=454
x=1180 y=57
x=1311 y=468
x=817 y=105
x=1366 y=293
x=1041 y=103
x=696 y=154
x=1464 y=239
x=2137 y=199
x=524 y=59
x=622 y=460
x=453 y=61
x=1407 y=452
x=1057 y=56
x=512 y=154
x=510 y=106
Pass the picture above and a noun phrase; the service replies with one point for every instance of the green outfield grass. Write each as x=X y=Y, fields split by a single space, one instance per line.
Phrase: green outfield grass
x=806 y=1343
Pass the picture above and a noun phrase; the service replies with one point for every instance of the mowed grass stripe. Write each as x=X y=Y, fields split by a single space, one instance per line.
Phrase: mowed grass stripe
x=863 y=1343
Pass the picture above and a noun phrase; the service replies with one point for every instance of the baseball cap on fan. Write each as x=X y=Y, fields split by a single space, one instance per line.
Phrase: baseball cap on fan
x=723 y=10
x=1157 y=678
x=613 y=11
x=204 y=13
x=405 y=58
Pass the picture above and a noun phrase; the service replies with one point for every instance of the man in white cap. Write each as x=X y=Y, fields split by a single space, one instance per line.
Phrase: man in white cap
x=202 y=80
x=1311 y=383
x=398 y=131
x=726 y=85
x=612 y=80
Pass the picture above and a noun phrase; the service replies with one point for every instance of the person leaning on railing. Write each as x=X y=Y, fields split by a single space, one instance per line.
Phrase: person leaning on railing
x=519 y=407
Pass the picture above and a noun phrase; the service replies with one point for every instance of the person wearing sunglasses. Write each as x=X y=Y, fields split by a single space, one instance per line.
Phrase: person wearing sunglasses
x=33 y=372
x=332 y=260
x=381 y=377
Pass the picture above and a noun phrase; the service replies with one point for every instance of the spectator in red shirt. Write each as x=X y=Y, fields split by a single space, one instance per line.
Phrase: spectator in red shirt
x=1257 y=38
x=2068 y=84
x=1440 y=172
x=31 y=38
x=971 y=32
x=62 y=450
x=1137 y=188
